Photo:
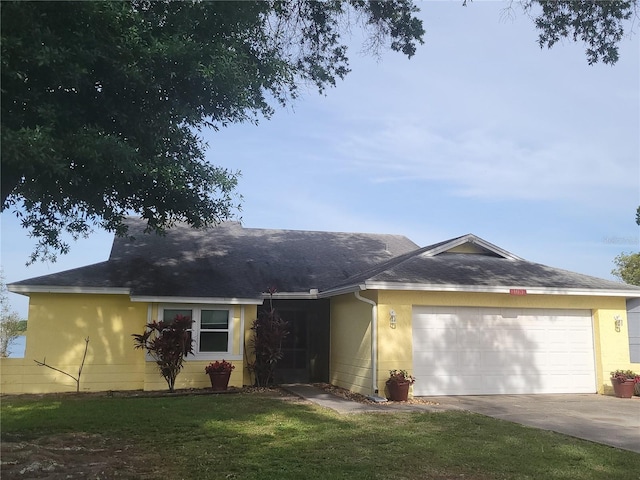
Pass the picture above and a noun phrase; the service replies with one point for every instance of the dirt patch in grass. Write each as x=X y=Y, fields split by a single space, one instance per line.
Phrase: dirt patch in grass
x=75 y=456
x=271 y=391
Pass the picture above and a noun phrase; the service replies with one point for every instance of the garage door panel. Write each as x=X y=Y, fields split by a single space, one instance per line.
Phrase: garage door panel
x=491 y=360
x=578 y=337
x=488 y=384
x=469 y=357
x=468 y=341
x=562 y=384
x=442 y=335
x=444 y=359
x=539 y=337
x=436 y=320
x=465 y=351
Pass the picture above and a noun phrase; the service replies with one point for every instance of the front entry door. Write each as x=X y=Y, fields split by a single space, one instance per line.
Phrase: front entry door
x=294 y=365
x=306 y=348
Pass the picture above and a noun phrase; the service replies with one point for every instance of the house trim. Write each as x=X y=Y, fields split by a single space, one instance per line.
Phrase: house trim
x=470 y=238
x=24 y=289
x=341 y=291
x=311 y=295
x=197 y=329
x=197 y=300
x=482 y=289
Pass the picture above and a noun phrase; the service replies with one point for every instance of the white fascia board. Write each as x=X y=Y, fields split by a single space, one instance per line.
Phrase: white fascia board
x=341 y=291
x=291 y=295
x=470 y=238
x=197 y=300
x=447 y=246
x=26 y=289
x=494 y=248
x=502 y=289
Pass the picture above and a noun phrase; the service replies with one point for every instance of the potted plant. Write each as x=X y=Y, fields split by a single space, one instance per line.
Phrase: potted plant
x=219 y=372
x=624 y=382
x=398 y=385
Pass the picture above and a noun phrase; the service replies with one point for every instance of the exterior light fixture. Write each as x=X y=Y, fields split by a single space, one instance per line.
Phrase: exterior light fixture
x=392 y=318
x=618 y=322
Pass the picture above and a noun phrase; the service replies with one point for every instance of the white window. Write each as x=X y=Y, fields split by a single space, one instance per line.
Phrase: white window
x=211 y=330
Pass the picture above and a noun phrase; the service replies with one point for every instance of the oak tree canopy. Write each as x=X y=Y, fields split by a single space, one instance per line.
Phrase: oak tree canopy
x=103 y=102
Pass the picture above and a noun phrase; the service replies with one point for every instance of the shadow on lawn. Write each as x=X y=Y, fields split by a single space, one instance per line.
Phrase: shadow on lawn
x=269 y=435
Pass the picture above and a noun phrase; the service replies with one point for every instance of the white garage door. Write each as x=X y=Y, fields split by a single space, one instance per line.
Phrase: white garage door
x=475 y=351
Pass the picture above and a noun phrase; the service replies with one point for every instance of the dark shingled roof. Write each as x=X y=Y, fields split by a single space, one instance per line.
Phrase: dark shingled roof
x=481 y=270
x=229 y=261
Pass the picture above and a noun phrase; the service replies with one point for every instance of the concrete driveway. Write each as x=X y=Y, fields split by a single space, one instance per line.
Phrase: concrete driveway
x=598 y=418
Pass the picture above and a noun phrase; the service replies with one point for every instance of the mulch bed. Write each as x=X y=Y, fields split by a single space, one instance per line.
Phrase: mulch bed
x=357 y=397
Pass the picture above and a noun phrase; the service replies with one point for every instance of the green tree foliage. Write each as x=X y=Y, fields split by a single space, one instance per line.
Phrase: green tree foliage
x=102 y=102
x=10 y=329
x=168 y=343
x=599 y=24
x=11 y=326
x=627 y=268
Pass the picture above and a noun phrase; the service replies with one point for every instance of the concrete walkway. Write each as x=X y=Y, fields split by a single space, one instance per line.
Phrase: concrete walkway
x=345 y=406
x=597 y=418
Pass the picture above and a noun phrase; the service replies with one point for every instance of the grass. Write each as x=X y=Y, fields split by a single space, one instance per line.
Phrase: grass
x=253 y=436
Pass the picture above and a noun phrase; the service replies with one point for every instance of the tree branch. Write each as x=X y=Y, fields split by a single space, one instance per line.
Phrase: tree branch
x=43 y=363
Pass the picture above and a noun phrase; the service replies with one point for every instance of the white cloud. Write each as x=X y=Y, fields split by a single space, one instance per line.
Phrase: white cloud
x=483 y=163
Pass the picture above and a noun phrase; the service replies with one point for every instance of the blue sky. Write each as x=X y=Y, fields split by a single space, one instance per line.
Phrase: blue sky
x=481 y=132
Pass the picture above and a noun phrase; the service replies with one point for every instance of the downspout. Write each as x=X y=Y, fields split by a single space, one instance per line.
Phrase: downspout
x=374 y=342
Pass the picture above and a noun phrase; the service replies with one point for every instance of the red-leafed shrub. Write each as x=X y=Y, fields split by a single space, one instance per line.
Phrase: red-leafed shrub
x=269 y=330
x=168 y=343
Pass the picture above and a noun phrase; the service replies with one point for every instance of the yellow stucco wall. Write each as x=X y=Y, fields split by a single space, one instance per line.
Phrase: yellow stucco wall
x=250 y=314
x=58 y=325
x=611 y=346
x=350 y=333
x=395 y=344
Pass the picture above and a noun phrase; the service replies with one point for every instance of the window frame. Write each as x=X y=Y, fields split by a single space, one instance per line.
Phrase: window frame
x=196 y=316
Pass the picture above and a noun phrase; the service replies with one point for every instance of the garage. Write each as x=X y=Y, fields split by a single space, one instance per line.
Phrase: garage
x=483 y=351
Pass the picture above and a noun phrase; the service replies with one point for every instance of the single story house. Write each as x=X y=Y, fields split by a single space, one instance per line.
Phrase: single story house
x=463 y=316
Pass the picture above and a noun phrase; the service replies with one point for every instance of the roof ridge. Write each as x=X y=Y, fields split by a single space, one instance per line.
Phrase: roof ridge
x=392 y=262
x=330 y=232
x=443 y=247
x=402 y=258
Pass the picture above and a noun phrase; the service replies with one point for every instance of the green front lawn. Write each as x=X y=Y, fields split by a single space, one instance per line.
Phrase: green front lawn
x=256 y=436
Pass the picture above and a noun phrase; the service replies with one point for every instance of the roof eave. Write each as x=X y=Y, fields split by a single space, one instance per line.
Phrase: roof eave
x=196 y=300
x=470 y=238
x=630 y=293
x=334 y=292
x=312 y=294
x=27 y=289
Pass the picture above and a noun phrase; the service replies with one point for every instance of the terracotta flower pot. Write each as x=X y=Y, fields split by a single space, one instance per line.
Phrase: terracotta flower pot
x=219 y=381
x=623 y=389
x=398 y=391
